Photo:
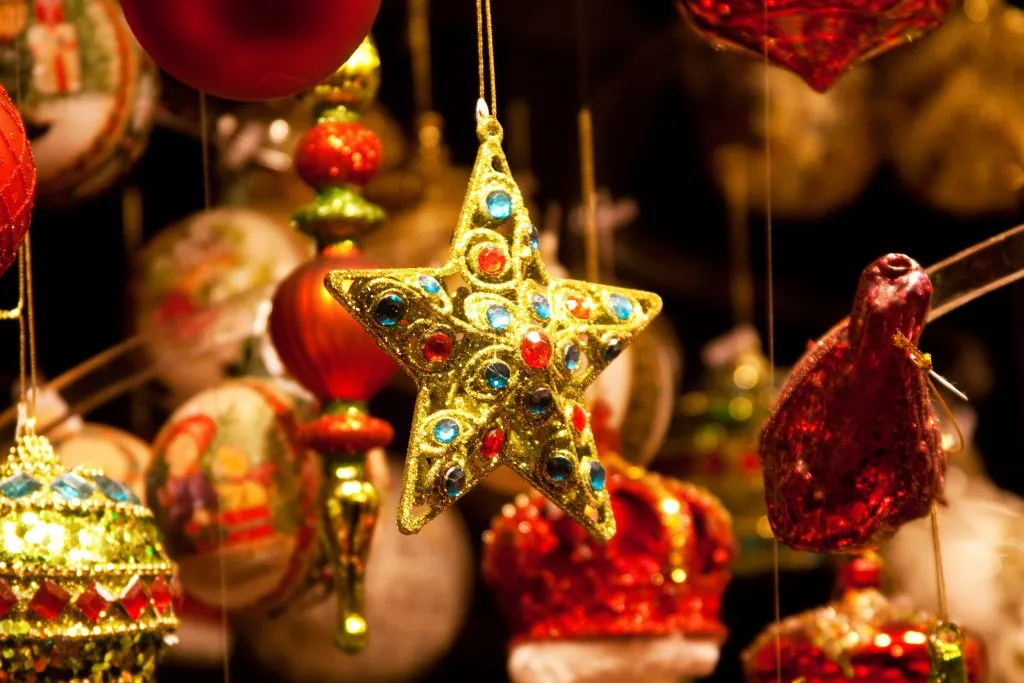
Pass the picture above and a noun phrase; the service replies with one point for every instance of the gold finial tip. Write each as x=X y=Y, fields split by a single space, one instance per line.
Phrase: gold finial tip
x=356 y=82
x=352 y=637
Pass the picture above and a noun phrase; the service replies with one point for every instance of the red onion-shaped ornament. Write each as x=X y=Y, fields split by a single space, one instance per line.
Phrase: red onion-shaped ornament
x=17 y=182
x=338 y=152
x=319 y=343
x=250 y=49
x=819 y=40
x=852 y=450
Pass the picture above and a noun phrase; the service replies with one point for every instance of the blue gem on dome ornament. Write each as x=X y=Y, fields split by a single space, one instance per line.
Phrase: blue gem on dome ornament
x=446 y=430
x=19 y=486
x=73 y=486
x=115 y=491
x=499 y=204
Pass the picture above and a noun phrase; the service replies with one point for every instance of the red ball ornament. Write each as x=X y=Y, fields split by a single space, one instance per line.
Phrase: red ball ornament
x=319 y=343
x=851 y=452
x=250 y=49
x=819 y=40
x=17 y=182
x=335 y=153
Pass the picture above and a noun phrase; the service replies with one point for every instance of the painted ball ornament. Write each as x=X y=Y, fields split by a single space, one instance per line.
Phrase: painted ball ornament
x=234 y=493
x=17 y=180
x=250 y=50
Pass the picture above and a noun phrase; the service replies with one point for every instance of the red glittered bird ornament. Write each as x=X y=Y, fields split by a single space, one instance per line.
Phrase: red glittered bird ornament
x=819 y=40
x=852 y=450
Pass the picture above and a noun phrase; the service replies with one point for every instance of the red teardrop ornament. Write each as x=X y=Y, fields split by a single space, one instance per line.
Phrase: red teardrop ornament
x=320 y=344
x=819 y=40
x=852 y=450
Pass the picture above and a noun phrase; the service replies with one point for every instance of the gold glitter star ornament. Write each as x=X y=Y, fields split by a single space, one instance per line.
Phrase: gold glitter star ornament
x=86 y=590
x=501 y=353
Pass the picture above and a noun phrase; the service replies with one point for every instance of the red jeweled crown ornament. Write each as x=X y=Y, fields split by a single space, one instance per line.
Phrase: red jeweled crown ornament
x=852 y=450
x=662 y=575
x=819 y=40
x=87 y=591
x=864 y=637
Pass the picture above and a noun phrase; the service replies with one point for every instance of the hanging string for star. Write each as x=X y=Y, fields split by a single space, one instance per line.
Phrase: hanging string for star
x=485 y=34
x=588 y=181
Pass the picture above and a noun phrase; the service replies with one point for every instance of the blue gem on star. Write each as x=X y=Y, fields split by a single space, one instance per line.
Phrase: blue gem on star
x=454 y=481
x=541 y=306
x=446 y=430
x=620 y=306
x=499 y=205
x=498 y=317
x=430 y=284
x=597 y=476
x=497 y=375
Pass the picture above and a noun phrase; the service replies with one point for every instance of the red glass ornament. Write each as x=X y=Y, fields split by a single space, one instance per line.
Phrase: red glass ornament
x=579 y=306
x=8 y=599
x=17 y=182
x=134 y=600
x=437 y=348
x=49 y=600
x=852 y=451
x=336 y=153
x=819 y=40
x=492 y=443
x=579 y=418
x=250 y=49
x=320 y=344
x=91 y=603
x=491 y=260
x=535 y=349
x=161 y=594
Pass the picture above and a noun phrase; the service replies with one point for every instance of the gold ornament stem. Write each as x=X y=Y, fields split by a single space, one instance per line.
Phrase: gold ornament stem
x=353 y=506
x=940 y=576
x=741 y=280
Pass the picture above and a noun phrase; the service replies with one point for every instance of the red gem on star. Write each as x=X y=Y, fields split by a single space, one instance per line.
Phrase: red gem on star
x=135 y=601
x=91 y=603
x=492 y=444
x=535 y=349
x=579 y=418
x=491 y=260
x=579 y=306
x=7 y=599
x=49 y=600
x=437 y=347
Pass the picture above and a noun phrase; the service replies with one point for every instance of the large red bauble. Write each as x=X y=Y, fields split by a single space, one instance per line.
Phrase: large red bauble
x=852 y=451
x=335 y=153
x=250 y=49
x=320 y=344
x=819 y=40
x=17 y=182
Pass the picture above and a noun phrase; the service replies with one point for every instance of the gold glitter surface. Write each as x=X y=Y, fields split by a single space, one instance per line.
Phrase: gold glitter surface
x=86 y=588
x=493 y=305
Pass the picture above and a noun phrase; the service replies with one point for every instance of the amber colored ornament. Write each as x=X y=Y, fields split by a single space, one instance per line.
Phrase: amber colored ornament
x=953 y=111
x=863 y=637
x=819 y=40
x=246 y=49
x=852 y=450
x=660 y=578
x=323 y=348
x=713 y=443
x=17 y=182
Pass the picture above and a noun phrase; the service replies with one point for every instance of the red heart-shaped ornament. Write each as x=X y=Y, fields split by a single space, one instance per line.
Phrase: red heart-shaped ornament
x=17 y=182
x=817 y=39
x=852 y=451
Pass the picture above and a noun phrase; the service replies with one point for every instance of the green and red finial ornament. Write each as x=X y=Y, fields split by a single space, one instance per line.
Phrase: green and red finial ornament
x=321 y=346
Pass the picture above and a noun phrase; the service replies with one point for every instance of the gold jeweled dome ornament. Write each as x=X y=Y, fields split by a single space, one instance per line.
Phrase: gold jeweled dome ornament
x=86 y=589
x=501 y=351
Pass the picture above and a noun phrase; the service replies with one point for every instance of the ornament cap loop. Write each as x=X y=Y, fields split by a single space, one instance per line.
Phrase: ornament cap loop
x=487 y=126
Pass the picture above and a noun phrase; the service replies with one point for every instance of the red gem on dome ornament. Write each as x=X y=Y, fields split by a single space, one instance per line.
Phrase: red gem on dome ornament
x=535 y=349
x=819 y=40
x=135 y=600
x=17 y=182
x=49 y=600
x=92 y=604
x=8 y=598
x=852 y=450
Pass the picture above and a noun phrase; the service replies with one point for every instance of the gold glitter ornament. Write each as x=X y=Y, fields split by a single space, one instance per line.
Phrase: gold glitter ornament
x=501 y=353
x=86 y=590
x=354 y=85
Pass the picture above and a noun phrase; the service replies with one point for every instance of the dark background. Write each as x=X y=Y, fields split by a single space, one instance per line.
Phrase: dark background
x=648 y=147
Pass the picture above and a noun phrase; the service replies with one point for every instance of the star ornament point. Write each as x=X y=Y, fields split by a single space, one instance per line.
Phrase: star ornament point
x=501 y=353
